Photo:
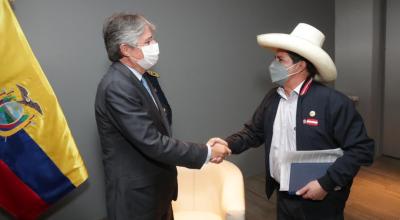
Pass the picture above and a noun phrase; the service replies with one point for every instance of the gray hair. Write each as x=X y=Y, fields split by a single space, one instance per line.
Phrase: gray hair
x=123 y=28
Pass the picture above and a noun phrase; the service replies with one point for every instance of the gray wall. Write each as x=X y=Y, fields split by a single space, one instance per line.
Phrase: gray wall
x=359 y=54
x=213 y=71
x=391 y=138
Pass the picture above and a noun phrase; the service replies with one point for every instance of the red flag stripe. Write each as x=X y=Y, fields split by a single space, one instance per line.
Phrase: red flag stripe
x=17 y=198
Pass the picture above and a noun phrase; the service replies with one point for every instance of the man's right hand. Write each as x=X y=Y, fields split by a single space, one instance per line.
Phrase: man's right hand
x=219 y=150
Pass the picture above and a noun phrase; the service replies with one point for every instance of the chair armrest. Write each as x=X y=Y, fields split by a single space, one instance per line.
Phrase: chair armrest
x=233 y=200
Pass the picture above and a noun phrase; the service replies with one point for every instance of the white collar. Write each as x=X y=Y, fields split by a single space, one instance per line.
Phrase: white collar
x=282 y=93
x=297 y=89
x=135 y=72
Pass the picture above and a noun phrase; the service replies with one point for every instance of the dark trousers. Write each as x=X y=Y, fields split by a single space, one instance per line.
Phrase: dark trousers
x=169 y=215
x=291 y=207
x=144 y=203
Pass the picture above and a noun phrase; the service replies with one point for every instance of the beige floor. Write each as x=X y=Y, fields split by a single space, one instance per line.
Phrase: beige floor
x=375 y=194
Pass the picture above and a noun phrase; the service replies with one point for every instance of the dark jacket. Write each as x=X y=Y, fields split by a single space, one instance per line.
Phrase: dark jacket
x=139 y=155
x=153 y=79
x=339 y=126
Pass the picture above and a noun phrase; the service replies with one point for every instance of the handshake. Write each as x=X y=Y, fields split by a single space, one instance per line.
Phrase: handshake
x=219 y=150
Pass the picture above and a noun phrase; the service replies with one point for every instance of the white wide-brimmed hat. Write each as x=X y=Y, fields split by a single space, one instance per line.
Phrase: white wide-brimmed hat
x=306 y=41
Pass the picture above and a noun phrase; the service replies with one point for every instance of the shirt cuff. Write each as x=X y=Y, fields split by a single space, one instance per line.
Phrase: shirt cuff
x=208 y=154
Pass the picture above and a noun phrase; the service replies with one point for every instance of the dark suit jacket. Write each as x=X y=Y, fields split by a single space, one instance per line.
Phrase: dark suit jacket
x=139 y=155
x=339 y=126
x=161 y=96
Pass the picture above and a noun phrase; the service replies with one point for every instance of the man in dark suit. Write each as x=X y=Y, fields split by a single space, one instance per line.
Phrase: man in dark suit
x=302 y=114
x=139 y=154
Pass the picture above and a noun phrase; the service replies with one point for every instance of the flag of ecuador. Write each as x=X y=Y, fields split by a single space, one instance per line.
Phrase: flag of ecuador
x=39 y=161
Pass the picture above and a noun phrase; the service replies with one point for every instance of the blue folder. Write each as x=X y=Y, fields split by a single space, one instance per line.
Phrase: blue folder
x=302 y=173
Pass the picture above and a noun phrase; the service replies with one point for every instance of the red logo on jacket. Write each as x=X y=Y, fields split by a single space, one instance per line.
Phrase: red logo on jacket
x=311 y=122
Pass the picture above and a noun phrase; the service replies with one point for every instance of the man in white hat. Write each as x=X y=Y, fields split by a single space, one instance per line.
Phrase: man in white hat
x=302 y=114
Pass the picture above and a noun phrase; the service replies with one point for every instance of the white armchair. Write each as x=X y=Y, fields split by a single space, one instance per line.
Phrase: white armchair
x=216 y=192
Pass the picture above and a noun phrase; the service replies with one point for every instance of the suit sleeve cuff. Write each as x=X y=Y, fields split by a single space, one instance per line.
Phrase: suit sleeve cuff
x=327 y=183
x=231 y=145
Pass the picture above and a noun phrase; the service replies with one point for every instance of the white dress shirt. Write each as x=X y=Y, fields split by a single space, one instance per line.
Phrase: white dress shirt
x=284 y=130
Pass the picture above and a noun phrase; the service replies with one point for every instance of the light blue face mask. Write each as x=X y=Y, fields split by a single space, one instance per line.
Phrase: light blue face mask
x=279 y=73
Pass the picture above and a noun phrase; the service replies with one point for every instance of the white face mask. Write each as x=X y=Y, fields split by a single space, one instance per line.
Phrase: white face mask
x=150 y=56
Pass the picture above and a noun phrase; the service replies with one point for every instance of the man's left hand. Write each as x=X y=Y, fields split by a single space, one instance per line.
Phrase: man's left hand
x=313 y=191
